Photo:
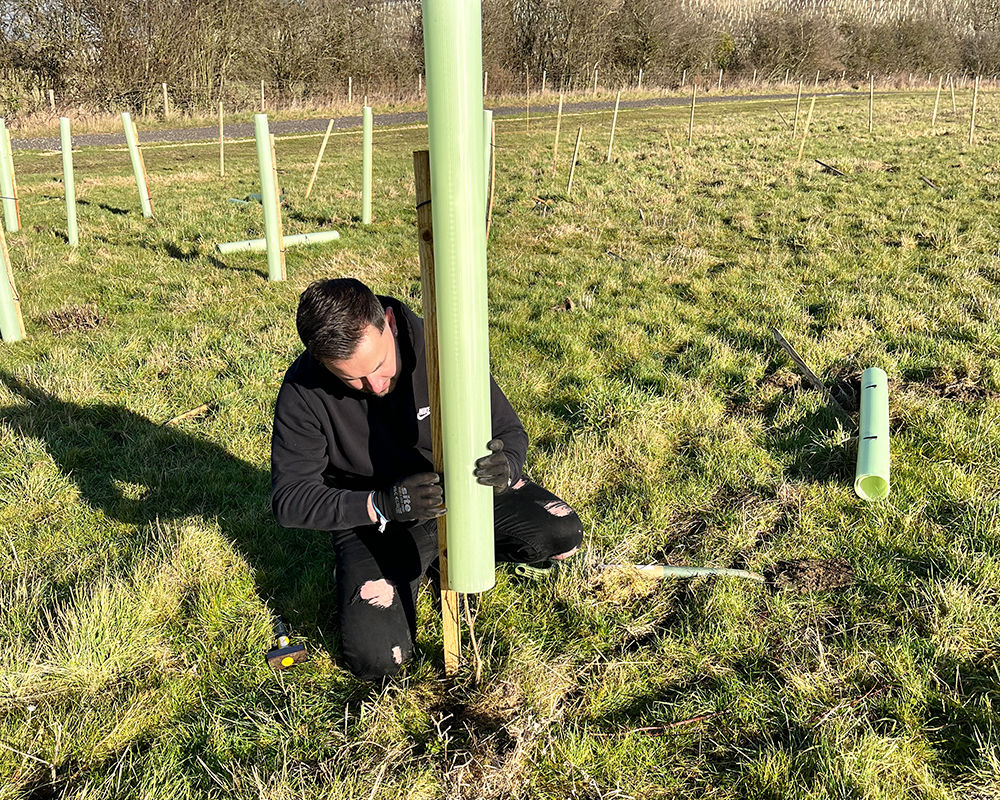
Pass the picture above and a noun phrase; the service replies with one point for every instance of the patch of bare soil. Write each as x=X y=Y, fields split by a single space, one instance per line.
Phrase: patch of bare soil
x=74 y=318
x=803 y=576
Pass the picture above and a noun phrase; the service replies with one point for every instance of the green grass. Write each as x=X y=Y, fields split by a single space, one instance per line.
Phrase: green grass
x=137 y=557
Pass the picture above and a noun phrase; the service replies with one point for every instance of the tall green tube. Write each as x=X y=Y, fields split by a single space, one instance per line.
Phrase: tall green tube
x=137 y=165
x=7 y=181
x=11 y=324
x=871 y=479
x=68 y=185
x=453 y=59
x=487 y=150
x=269 y=197
x=366 y=165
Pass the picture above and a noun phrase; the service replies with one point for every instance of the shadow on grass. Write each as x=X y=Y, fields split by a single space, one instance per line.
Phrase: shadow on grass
x=102 y=447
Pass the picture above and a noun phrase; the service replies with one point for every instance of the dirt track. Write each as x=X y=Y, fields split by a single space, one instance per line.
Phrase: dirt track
x=245 y=129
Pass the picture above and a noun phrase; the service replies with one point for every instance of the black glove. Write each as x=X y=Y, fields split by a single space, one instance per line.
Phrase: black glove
x=494 y=469
x=418 y=497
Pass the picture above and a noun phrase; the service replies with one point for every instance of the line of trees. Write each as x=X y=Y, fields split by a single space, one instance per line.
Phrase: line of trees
x=114 y=54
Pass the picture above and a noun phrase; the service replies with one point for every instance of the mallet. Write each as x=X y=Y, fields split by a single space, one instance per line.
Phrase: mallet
x=284 y=655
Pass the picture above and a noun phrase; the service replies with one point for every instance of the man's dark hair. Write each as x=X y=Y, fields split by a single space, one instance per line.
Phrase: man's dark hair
x=333 y=316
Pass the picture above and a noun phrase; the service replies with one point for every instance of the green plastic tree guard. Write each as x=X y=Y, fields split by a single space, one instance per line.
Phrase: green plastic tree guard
x=7 y=181
x=11 y=323
x=137 y=166
x=319 y=237
x=453 y=60
x=269 y=197
x=68 y=185
x=366 y=165
x=871 y=479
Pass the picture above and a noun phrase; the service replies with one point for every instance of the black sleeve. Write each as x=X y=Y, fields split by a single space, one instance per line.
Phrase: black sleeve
x=508 y=429
x=299 y=496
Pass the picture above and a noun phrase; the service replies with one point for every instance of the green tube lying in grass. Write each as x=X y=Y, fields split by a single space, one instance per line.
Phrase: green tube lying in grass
x=320 y=237
x=871 y=478
x=664 y=571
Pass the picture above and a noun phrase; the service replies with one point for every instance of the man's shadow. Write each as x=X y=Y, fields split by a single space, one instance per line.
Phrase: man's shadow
x=138 y=472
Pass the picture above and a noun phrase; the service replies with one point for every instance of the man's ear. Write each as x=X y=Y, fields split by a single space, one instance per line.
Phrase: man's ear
x=390 y=318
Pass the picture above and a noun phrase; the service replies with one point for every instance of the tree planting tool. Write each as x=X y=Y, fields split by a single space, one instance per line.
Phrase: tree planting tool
x=538 y=571
x=285 y=655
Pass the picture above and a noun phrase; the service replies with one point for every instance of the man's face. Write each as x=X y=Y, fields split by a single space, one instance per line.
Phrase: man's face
x=375 y=364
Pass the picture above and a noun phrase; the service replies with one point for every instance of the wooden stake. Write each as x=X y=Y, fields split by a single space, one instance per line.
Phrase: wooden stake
x=9 y=155
x=614 y=123
x=572 y=166
x=720 y=80
x=277 y=205
x=555 y=144
x=493 y=175
x=425 y=240
x=972 y=121
x=805 y=131
x=322 y=149
x=166 y=104
x=954 y=105
x=52 y=100
x=486 y=82
x=262 y=109
x=694 y=95
x=420 y=83
x=595 y=80
x=638 y=85
x=684 y=76
x=787 y=73
x=350 y=90
x=222 y=146
x=543 y=83
x=937 y=101
x=871 y=103
x=798 y=105
x=527 y=99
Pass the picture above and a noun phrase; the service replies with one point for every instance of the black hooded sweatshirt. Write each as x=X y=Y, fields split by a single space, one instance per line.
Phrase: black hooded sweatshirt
x=331 y=445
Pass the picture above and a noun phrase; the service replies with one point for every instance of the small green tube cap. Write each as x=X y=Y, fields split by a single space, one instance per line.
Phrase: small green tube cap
x=871 y=479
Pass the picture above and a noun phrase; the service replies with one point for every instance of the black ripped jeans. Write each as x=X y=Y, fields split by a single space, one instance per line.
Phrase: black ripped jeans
x=378 y=574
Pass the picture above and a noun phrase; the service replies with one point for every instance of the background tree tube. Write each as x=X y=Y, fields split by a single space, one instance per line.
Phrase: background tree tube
x=68 y=185
x=269 y=199
x=453 y=59
x=871 y=479
x=137 y=167
x=366 y=165
x=7 y=183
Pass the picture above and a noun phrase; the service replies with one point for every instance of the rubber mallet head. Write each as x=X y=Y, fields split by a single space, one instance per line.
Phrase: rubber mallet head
x=285 y=655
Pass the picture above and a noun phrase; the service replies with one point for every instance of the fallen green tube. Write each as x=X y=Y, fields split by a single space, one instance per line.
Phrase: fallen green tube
x=366 y=165
x=7 y=182
x=871 y=479
x=265 y=164
x=137 y=166
x=68 y=185
x=453 y=62
x=666 y=572
x=319 y=237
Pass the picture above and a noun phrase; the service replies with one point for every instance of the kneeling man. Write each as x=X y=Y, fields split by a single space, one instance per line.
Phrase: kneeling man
x=351 y=454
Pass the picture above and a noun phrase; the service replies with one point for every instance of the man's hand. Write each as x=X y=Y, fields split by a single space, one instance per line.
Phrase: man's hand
x=494 y=469
x=418 y=497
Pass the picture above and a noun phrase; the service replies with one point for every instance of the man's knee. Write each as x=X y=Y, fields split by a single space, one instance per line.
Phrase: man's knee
x=564 y=529
x=375 y=663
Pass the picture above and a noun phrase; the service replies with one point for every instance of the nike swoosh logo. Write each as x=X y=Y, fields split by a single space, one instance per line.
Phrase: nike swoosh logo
x=424 y=412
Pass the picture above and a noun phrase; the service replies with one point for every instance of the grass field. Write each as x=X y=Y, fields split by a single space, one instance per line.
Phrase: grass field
x=630 y=327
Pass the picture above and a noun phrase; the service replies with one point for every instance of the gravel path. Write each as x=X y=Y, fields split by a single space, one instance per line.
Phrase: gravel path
x=244 y=130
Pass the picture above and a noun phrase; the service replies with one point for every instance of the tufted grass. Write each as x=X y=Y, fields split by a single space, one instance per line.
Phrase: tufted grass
x=630 y=327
